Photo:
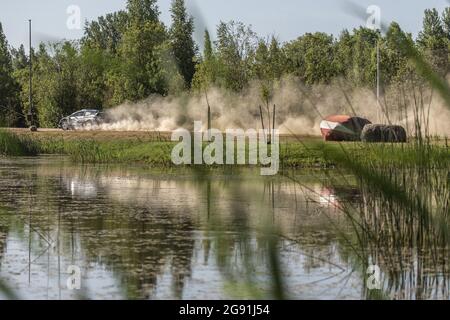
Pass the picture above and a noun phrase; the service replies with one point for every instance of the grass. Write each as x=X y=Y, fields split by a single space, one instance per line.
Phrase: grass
x=14 y=145
x=150 y=150
x=402 y=219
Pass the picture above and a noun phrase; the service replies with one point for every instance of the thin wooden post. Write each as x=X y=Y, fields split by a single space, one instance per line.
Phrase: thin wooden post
x=270 y=129
x=209 y=117
x=273 y=122
x=262 y=121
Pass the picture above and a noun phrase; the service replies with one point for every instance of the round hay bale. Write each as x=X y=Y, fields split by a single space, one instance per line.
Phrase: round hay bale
x=371 y=133
x=383 y=133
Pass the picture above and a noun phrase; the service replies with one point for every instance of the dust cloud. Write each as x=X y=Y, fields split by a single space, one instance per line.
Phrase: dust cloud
x=299 y=109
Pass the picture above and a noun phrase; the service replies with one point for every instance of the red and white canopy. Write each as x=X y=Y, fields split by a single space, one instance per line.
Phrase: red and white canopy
x=342 y=127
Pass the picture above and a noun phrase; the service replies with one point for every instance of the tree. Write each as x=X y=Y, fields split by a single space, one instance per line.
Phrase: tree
x=10 y=109
x=277 y=59
x=311 y=57
x=137 y=71
x=432 y=40
x=99 y=53
x=106 y=33
x=19 y=58
x=56 y=82
x=432 y=34
x=236 y=45
x=365 y=57
x=207 y=69
x=130 y=55
x=355 y=56
x=446 y=22
x=394 y=62
x=343 y=55
x=21 y=75
x=139 y=68
x=183 y=45
x=208 y=50
x=268 y=66
x=94 y=65
x=142 y=11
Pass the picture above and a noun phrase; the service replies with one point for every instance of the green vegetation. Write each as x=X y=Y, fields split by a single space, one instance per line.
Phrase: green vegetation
x=401 y=221
x=89 y=150
x=155 y=151
x=130 y=55
x=9 y=89
x=402 y=216
x=13 y=145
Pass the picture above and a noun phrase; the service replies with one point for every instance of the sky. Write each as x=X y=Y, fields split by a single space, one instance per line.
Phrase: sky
x=286 y=19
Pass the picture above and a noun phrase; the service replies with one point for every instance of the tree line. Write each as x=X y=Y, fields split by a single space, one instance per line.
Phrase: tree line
x=130 y=54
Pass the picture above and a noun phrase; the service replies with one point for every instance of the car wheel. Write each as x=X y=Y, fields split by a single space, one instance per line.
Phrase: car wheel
x=89 y=124
x=65 y=126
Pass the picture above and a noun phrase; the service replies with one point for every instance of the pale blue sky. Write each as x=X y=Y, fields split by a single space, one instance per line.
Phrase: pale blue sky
x=285 y=18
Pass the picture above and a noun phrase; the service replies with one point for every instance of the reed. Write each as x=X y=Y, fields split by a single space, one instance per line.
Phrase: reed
x=13 y=145
x=401 y=220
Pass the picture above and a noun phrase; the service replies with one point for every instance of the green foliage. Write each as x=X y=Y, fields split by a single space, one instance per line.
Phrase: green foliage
x=93 y=67
x=20 y=59
x=183 y=45
x=206 y=73
x=10 y=114
x=310 y=57
x=56 y=82
x=106 y=33
x=141 y=11
x=130 y=55
x=13 y=145
x=138 y=73
x=268 y=67
x=394 y=63
x=236 y=46
x=156 y=150
x=434 y=41
x=208 y=51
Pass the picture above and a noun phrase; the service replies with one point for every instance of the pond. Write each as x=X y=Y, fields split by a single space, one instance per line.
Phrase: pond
x=140 y=233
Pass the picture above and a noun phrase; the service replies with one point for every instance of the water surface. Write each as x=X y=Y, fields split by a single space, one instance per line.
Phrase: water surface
x=140 y=233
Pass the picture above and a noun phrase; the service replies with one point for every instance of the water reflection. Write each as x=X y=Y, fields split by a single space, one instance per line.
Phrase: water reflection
x=143 y=234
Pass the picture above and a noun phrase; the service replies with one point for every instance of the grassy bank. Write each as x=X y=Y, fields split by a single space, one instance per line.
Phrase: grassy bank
x=16 y=145
x=155 y=149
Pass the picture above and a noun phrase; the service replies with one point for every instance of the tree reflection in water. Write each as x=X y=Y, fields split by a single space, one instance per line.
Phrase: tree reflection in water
x=143 y=234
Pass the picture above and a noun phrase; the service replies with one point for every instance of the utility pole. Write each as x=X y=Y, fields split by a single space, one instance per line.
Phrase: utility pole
x=31 y=111
x=378 y=79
